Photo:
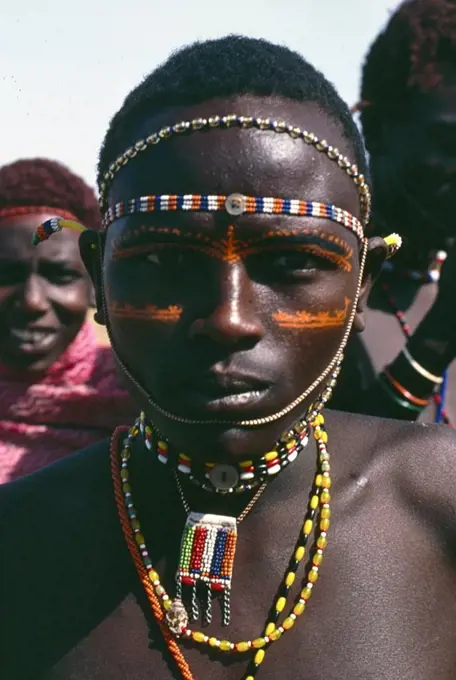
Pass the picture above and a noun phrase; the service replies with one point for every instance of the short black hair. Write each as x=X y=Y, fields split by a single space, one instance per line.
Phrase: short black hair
x=45 y=182
x=229 y=66
x=414 y=53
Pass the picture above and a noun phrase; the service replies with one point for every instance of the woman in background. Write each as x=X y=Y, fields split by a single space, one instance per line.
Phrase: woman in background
x=59 y=390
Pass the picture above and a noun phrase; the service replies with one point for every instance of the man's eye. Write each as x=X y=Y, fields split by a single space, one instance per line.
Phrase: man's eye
x=296 y=262
x=170 y=259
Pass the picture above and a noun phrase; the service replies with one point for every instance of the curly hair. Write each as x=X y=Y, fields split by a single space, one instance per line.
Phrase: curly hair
x=233 y=65
x=40 y=181
x=415 y=52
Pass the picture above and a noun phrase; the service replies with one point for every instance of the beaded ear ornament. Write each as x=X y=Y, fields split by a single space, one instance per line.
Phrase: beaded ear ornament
x=55 y=224
x=393 y=244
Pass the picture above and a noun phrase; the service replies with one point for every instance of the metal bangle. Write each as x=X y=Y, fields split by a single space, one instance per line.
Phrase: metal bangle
x=438 y=380
x=400 y=402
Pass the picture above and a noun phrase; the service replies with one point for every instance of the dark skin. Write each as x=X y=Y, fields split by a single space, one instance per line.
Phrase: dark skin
x=365 y=619
x=44 y=294
x=414 y=172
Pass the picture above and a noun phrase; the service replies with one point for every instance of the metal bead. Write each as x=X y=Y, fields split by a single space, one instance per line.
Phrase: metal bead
x=294 y=132
x=322 y=145
x=165 y=133
x=279 y=126
x=246 y=121
x=263 y=123
x=214 y=121
x=141 y=145
x=198 y=123
x=183 y=126
x=229 y=120
x=307 y=137
x=153 y=139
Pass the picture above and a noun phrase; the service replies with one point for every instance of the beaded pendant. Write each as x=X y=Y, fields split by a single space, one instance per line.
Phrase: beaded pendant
x=206 y=561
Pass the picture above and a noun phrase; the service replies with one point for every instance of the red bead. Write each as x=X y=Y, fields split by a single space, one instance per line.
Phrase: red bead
x=217 y=586
x=270 y=463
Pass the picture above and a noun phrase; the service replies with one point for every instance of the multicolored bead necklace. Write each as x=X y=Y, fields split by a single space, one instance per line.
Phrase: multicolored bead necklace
x=225 y=479
x=172 y=615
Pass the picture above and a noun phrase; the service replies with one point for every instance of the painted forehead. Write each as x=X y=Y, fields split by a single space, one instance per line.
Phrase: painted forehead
x=236 y=203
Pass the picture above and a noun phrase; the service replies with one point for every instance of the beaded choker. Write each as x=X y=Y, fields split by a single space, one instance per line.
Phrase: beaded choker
x=224 y=479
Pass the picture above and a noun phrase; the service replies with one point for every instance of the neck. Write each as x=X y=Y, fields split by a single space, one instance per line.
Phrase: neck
x=149 y=474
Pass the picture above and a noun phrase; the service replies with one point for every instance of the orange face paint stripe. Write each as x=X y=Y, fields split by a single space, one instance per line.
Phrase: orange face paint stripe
x=170 y=314
x=303 y=320
x=230 y=249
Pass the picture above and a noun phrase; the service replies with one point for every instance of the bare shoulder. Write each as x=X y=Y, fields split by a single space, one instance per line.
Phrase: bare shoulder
x=417 y=460
x=425 y=469
x=62 y=520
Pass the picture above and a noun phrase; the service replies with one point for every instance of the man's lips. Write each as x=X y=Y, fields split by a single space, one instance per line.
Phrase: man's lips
x=217 y=391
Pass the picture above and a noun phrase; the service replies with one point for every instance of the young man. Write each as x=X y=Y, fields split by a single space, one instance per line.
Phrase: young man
x=408 y=116
x=228 y=290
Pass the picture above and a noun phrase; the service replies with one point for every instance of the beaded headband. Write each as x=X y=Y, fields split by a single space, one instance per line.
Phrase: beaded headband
x=244 y=122
x=234 y=204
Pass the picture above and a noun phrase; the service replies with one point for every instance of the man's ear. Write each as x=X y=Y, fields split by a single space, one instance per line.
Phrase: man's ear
x=377 y=253
x=91 y=247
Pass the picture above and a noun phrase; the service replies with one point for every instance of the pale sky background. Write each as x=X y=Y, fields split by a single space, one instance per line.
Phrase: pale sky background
x=66 y=68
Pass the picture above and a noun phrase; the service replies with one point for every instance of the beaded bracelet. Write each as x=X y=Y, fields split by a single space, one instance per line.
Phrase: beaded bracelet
x=438 y=380
x=384 y=384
